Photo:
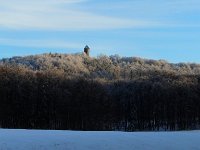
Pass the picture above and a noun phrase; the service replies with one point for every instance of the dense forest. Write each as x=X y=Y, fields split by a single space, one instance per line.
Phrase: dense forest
x=77 y=92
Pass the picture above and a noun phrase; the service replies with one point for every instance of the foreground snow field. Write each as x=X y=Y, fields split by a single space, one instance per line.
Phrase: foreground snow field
x=78 y=140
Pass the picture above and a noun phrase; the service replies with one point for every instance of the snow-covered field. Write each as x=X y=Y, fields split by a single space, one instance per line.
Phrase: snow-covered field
x=78 y=140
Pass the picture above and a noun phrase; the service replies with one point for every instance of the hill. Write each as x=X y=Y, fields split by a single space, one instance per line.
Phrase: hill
x=76 y=92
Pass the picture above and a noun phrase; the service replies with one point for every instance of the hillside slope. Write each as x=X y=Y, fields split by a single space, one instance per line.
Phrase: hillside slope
x=76 y=92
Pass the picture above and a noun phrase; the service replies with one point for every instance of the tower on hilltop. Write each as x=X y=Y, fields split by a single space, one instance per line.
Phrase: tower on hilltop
x=87 y=50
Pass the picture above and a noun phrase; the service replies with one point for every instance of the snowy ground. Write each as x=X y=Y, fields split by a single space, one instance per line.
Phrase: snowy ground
x=74 y=140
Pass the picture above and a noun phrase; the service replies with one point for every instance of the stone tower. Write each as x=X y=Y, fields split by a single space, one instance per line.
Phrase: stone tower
x=87 y=50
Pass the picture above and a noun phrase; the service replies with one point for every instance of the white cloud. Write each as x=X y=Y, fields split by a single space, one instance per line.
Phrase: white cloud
x=58 y=15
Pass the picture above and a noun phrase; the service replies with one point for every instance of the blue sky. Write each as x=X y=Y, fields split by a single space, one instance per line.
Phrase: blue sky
x=156 y=29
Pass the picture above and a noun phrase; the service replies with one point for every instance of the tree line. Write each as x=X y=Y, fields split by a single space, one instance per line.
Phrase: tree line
x=49 y=99
x=110 y=68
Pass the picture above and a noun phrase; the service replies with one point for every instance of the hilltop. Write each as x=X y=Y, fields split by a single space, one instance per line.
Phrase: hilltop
x=106 y=67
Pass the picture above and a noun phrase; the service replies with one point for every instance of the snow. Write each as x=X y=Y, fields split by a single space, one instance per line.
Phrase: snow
x=80 y=140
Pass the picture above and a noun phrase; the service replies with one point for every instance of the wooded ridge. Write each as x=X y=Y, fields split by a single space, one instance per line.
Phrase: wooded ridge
x=77 y=92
